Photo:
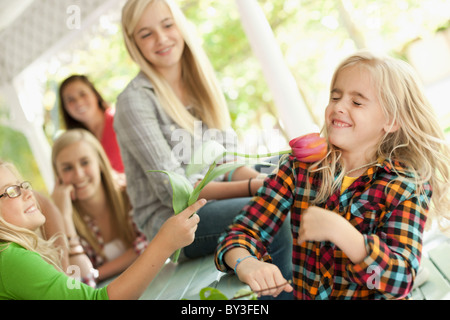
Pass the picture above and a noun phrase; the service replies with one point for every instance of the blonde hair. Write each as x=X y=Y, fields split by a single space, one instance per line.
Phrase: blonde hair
x=28 y=239
x=419 y=143
x=118 y=200
x=207 y=99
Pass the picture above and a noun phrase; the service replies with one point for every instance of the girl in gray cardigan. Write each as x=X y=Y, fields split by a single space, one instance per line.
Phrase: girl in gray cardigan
x=171 y=107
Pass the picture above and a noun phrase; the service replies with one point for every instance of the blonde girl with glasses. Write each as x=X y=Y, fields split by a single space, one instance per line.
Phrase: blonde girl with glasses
x=31 y=269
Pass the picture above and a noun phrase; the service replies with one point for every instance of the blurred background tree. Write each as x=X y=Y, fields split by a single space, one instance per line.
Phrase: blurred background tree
x=313 y=35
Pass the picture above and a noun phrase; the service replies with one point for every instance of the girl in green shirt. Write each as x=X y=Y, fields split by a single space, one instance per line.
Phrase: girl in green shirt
x=30 y=267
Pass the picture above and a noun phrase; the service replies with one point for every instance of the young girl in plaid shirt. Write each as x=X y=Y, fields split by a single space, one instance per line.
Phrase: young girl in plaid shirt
x=358 y=215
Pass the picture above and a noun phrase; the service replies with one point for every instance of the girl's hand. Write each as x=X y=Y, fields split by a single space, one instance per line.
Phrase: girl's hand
x=63 y=195
x=317 y=225
x=179 y=230
x=262 y=277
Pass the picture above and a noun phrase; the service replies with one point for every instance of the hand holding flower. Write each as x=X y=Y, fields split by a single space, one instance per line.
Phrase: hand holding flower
x=179 y=230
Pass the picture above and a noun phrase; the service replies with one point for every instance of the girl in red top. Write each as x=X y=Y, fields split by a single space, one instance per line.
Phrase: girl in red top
x=83 y=107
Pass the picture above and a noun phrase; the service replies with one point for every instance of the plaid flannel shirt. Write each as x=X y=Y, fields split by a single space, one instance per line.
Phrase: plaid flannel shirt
x=380 y=204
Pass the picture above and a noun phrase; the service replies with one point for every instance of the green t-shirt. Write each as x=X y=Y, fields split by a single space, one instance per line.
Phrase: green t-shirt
x=24 y=275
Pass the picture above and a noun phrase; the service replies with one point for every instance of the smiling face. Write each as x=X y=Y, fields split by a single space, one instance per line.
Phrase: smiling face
x=21 y=211
x=354 y=118
x=78 y=165
x=80 y=101
x=158 y=37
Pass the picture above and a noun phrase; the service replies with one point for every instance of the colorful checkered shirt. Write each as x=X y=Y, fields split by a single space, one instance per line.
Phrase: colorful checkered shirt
x=380 y=204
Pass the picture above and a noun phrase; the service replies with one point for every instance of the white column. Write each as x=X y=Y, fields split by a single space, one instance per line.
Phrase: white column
x=293 y=113
x=26 y=114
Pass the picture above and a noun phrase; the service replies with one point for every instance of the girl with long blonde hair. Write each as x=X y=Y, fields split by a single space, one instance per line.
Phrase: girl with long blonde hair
x=359 y=214
x=29 y=239
x=416 y=139
x=30 y=267
x=90 y=198
x=173 y=105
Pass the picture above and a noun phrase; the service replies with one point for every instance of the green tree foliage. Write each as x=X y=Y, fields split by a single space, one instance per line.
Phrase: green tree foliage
x=14 y=148
x=314 y=35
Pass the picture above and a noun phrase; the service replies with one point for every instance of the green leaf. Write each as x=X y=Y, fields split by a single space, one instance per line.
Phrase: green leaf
x=181 y=188
x=213 y=172
x=209 y=293
x=222 y=169
x=196 y=192
x=247 y=293
x=175 y=256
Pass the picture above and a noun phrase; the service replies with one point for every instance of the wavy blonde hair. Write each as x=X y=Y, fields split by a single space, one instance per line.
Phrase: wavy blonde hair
x=419 y=143
x=28 y=239
x=118 y=200
x=198 y=75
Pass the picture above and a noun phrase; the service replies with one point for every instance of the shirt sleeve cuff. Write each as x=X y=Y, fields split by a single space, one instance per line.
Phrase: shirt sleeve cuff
x=220 y=253
x=372 y=266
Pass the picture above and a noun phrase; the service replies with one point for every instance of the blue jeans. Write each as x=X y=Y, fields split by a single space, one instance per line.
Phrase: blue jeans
x=217 y=215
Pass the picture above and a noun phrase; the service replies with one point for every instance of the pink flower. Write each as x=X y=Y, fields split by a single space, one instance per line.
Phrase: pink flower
x=309 y=148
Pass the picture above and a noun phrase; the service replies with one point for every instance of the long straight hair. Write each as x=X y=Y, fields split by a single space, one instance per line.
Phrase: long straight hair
x=117 y=198
x=207 y=99
x=419 y=143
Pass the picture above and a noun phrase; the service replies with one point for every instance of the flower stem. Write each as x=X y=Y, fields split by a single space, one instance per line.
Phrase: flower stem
x=175 y=256
x=257 y=156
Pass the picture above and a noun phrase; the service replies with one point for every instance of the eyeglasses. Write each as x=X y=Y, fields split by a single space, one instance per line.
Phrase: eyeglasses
x=14 y=191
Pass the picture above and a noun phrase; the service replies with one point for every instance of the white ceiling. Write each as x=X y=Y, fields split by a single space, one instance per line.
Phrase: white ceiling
x=34 y=29
x=10 y=10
